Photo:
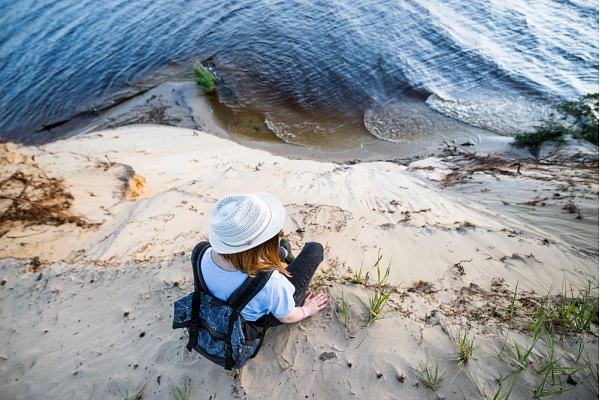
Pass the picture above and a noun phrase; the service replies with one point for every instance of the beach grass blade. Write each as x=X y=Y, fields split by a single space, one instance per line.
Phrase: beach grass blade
x=180 y=394
x=521 y=355
x=594 y=370
x=137 y=396
x=505 y=396
x=580 y=351
x=345 y=308
x=541 y=315
x=513 y=306
x=281 y=365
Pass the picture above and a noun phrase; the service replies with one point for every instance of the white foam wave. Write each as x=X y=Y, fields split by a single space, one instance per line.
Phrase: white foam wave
x=506 y=116
x=282 y=131
x=411 y=121
x=323 y=136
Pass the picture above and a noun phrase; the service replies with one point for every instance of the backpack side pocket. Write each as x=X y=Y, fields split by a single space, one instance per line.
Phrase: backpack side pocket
x=182 y=314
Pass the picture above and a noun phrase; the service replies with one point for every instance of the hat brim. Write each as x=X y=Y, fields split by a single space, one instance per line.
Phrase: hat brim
x=275 y=225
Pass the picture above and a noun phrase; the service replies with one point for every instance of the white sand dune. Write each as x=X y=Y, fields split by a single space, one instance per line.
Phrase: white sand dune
x=99 y=314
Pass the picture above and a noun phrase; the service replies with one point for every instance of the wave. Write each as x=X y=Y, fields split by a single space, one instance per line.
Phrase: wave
x=323 y=136
x=505 y=116
x=411 y=121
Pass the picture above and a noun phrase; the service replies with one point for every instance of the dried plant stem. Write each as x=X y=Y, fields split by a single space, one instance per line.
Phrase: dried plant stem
x=14 y=204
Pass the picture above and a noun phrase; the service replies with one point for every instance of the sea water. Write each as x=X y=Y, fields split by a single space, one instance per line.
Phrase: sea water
x=313 y=71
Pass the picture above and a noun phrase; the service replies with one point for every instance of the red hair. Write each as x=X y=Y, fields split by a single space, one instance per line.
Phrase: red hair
x=264 y=257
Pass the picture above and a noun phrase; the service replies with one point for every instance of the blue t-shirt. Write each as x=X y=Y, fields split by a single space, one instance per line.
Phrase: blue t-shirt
x=277 y=297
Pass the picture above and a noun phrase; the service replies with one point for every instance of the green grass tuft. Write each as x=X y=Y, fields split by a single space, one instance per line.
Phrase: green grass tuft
x=513 y=305
x=431 y=377
x=381 y=294
x=577 y=311
x=180 y=394
x=466 y=345
x=573 y=310
x=357 y=277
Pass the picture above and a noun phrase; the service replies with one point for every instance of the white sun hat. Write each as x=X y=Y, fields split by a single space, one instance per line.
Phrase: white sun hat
x=242 y=221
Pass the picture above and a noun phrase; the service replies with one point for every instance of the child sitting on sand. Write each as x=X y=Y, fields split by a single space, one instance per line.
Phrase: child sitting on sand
x=245 y=239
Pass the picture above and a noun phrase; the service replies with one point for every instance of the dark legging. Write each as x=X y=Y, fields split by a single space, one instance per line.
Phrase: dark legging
x=301 y=270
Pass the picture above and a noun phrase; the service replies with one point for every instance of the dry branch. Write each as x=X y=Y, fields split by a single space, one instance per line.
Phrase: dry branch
x=36 y=199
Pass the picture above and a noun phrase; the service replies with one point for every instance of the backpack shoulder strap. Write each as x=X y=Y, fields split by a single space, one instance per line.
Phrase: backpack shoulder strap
x=195 y=321
x=242 y=295
x=199 y=285
x=197 y=253
x=238 y=300
x=247 y=290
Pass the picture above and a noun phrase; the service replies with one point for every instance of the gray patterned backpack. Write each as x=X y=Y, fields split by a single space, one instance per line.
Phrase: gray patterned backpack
x=217 y=329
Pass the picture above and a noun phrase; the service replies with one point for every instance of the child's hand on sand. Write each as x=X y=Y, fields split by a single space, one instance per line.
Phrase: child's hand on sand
x=313 y=305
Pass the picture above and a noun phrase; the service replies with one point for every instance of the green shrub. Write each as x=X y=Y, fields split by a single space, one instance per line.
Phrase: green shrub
x=585 y=126
x=204 y=79
x=549 y=131
x=585 y=111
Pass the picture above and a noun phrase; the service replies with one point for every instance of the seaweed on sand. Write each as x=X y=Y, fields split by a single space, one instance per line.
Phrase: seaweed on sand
x=36 y=199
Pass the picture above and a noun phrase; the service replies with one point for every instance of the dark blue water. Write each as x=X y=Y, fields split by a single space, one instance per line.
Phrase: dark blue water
x=488 y=63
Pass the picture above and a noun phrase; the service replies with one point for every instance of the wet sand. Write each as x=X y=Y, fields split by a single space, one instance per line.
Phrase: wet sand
x=181 y=103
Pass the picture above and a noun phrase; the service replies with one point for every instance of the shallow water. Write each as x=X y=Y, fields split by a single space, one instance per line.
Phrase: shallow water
x=307 y=69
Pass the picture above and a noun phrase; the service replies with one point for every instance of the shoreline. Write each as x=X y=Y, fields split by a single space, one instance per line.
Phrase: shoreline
x=461 y=232
x=180 y=103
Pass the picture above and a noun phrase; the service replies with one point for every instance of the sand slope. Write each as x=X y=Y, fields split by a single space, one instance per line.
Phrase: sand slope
x=100 y=312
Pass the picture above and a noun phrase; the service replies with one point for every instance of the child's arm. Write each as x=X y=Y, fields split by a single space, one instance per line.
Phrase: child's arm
x=310 y=306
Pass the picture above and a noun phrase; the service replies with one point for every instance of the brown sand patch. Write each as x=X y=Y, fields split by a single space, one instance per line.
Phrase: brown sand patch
x=10 y=157
x=137 y=187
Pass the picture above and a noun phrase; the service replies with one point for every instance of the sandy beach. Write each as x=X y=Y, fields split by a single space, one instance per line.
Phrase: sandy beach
x=86 y=301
